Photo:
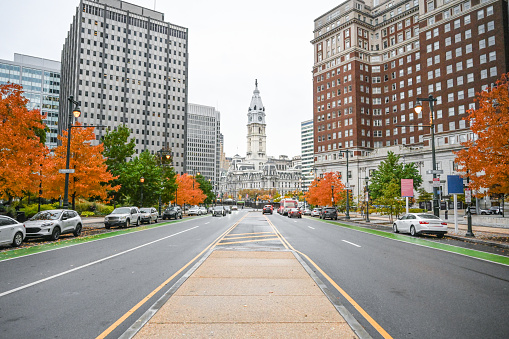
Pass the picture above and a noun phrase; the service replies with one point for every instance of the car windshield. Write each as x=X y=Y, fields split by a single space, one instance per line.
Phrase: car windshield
x=218 y=208
x=145 y=210
x=171 y=208
x=47 y=215
x=427 y=216
x=121 y=210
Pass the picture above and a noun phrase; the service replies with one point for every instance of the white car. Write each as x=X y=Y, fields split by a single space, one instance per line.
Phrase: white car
x=420 y=223
x=148 y=215
x=52 y=223
x=11 y=231
x=195 y=210
x=123 y=216
x=316 y=212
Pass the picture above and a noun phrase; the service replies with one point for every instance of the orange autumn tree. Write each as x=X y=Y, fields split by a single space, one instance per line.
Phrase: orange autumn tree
x=22 y=147
x=320 y=190
x=185 y=192
x=486 y=158
x=91 y=177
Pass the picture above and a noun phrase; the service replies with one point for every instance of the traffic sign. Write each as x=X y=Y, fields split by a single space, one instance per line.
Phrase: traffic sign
x=435 y=172
x=436 y=182
x=468 y=195
x=67 y=170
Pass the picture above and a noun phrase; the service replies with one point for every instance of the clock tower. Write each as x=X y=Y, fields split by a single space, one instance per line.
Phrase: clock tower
x=256 y=138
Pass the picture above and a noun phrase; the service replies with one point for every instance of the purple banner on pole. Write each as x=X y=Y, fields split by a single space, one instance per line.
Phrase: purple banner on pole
x=407 y=187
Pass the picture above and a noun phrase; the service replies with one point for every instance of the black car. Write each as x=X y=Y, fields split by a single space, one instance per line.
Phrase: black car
x=329 y=212
x=267 y=209
x=172 y=212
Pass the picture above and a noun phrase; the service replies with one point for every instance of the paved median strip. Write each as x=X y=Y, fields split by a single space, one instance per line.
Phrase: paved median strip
x=499 y=259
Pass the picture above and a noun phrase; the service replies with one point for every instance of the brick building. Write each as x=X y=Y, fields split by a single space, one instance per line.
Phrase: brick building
x=374 y=58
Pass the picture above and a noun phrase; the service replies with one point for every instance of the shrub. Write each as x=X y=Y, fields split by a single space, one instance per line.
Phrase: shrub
x=416 y=210
x=32 y=209
x=103 y=209
x=87 y=214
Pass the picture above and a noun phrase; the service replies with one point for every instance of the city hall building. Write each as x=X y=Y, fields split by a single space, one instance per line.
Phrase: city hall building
x=373 y=59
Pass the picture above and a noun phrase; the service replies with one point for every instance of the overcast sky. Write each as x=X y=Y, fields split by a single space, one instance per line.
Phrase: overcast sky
x=231 y=43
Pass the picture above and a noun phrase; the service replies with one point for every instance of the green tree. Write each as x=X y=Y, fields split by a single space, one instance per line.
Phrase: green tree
x=389 y=170
x=169 y=184
x=390 y=199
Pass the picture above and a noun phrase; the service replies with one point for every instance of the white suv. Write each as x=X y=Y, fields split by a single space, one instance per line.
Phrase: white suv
x=123 y=216
x=52 y=223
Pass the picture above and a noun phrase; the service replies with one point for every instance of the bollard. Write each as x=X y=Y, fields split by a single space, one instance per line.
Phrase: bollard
x=446 y=214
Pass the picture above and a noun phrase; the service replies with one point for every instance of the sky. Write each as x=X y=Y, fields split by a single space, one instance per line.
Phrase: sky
x=231 y=43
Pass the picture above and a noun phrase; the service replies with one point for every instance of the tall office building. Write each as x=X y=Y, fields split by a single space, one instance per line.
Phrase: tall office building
x=374 y=58
x=127 y=66
x=307 y=152
x=204 y=141
x=40 y=79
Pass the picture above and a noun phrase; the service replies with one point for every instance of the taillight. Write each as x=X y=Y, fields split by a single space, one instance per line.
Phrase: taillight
x=423 y=222
x=444 y=223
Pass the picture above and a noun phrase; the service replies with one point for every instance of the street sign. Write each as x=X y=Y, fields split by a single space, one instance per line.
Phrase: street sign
x=68 y=170
x=407 y=187
x=436 y=182
x=347 y=185
x=435 y=172
x=468 y=195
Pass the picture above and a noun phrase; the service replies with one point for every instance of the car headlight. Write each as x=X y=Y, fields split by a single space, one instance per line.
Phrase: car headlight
x=47 y=224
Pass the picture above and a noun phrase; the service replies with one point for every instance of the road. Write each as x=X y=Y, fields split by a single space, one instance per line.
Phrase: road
x=100 y=288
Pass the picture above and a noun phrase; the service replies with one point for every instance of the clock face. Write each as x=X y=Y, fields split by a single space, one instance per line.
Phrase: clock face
x=260 y=118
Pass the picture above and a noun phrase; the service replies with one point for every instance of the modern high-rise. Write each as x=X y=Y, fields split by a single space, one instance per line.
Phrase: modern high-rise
x=307 y=152
x=203 y=141
x=40 y=79
x=127 y=66
x=373 y=59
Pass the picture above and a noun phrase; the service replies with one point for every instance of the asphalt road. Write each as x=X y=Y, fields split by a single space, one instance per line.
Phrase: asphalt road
x=411 y=291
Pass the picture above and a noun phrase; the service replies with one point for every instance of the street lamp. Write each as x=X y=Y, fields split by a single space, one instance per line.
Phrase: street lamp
x=76 y=113
x=168 y=156
x=332 y=198
x=418 y=109
x=347 y=215
x=142 y=180
x=367 y=199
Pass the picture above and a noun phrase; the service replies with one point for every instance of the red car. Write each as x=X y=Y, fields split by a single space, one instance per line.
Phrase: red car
x=294 y=212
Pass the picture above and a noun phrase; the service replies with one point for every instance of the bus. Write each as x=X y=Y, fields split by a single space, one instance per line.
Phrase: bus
x=286 y=204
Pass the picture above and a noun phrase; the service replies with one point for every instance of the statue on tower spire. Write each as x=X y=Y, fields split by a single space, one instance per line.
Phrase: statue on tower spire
x=256 y=83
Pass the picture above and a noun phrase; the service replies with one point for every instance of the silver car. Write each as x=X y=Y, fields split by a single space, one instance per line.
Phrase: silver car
x=420 y=223
x=52 y=223
x=123 y=216
x=148 y=215
x=11 y=231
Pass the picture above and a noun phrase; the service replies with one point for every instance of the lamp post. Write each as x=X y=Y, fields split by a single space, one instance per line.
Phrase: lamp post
x=347 y=215
x=367 y=199
x=168 y=156
x=332 y=197
x=142 y=180
x=76 y=113
x=418 y=109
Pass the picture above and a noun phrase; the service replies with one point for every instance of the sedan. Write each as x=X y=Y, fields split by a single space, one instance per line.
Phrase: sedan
x=148 y=215
x=11 y=231
x=267 y=209
x=306 y=211
x=52 y=223
x=219 y=210
x=195 y=210
x=316 y=212
x=203 y=210
x=294 y=213
x=420 y=223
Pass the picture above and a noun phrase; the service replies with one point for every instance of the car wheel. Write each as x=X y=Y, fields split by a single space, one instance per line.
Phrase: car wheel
x=127 y=223
x=17 y=240
x=413 y=233
x=440 y=235
x=395 y=228
x=77 y=230
x=107 y=226
x=181 y=216
x=55 y=235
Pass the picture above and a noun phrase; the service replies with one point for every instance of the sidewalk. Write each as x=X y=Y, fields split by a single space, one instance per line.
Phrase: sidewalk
x=259 y=294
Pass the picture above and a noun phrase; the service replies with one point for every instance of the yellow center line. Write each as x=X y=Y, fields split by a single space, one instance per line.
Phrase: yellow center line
x=167 y=281
x=283 y=241
x=366 y=316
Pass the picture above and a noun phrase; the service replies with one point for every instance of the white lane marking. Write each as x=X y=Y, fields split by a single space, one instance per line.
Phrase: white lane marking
x=311 y=227
x=207 y=223
x=351 y=243
x=90 y=264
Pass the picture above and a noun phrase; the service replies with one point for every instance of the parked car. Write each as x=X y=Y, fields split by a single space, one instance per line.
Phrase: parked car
x=306 y=211
x=235 y=208
x=11 y=232
x=420 y=223
x=294 y=213
x=52 y=223
x=482 y=211
x=195 y=210
x=148 y=215
x=228 y=209
x=123 y=216
x=267 y=209
x=172 y=212
x=203 y=210
x=329 y=213
x=219 y=210
x=316 y=212
x=496 y=210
